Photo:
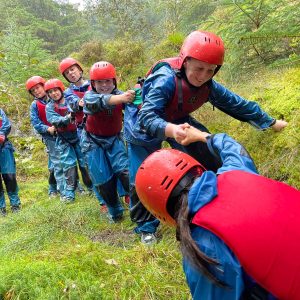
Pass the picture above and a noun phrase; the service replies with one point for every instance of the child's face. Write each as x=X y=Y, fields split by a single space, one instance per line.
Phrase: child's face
x=73 y=73
x=55 y=94
x=38 y=91
x=198 y=72
x=105 y=86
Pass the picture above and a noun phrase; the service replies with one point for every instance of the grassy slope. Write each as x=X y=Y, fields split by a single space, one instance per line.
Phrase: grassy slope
x=55 y=251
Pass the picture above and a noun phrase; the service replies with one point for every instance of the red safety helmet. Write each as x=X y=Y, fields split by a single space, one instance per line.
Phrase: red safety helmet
x=102 y=70
x=34 y=80
x=204 y=46
x=54 y=83
x=67 y=63
x=158 y=176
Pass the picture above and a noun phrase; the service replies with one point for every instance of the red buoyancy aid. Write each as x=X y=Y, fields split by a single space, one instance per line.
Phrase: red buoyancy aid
x=79 y=114
x=1 y=122
x=105 y=123
x=186 y=98
x=41 y=107
x=63 y=111
x=258 y=218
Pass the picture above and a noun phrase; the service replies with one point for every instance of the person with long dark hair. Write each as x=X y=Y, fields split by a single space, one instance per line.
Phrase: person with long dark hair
x=239 y=231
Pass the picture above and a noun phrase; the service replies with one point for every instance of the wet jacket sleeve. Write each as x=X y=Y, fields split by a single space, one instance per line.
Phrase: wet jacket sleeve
x=158 y=90
x=6 y=125
x=94 y=102
x=55 y=118
x=72 y=100
x=232 y=154
x=238 y=107
x=36 y=122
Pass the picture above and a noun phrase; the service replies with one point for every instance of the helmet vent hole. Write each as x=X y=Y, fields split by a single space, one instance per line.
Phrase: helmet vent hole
x=164 y=180
x=179 y=163
x=168 y=184
x=183 y=167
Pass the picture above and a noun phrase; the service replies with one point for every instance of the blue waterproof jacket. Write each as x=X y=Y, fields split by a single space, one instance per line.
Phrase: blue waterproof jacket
x=36 y=122
x=159 y=89
x=93 y=103
x=5 y=129
x=6 y=125
x=59 y=121
x=71 y=98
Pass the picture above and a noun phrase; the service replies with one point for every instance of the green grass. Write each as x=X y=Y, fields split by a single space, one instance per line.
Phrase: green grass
x=55 y=251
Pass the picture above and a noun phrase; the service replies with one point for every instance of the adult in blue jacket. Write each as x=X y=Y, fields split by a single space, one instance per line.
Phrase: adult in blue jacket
x=231 y=224
x=67 y=141
x=7 y=168
x=176 y=87
x=35 y=86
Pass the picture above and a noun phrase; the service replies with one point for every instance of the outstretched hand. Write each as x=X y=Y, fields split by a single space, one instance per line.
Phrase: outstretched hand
x=192 y=135
x=81 y=103
x=179 y=133
x=128 y=96
x=51 y=130
x=279 y=125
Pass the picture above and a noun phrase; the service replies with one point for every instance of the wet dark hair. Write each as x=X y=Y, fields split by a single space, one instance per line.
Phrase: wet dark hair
x=189 y=248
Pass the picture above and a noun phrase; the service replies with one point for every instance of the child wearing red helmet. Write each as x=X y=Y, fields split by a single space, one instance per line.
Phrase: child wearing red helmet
x=35 y=87
x=238 y=231
x=102 y=140
x=176 y=87
x=67 y=141
x=72 y=70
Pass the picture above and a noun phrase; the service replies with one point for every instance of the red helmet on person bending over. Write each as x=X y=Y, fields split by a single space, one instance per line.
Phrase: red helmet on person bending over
x=159 y=175
x=204 y=46
x=34 y=80
x=54 y=83
x=67 y=63
x=102 y=70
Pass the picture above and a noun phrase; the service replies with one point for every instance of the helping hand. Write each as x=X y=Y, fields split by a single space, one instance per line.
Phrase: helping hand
x=128 y=96
x=192 y=135
x=279 y=125
x=51 y=130
x=179 y=132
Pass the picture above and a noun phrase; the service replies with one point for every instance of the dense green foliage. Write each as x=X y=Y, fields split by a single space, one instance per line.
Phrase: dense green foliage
x=50 y=251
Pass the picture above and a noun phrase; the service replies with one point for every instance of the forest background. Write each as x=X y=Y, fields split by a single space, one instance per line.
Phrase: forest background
x=65 y=253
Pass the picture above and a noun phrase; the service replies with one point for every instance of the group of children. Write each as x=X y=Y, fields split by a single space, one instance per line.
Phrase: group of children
x=82 y=127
